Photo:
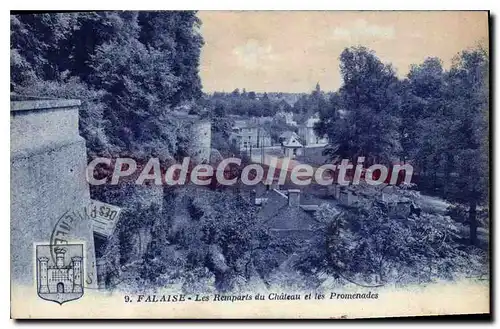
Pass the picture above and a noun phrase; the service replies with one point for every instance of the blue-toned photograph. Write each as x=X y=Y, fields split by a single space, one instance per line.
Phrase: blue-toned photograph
x=328 y=160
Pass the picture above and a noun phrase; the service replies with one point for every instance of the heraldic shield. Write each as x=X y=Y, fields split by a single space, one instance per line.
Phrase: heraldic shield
x=59 y=271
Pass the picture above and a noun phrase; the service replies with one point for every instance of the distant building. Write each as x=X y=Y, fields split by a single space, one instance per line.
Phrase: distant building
x=292 y=146
x=200 y=135
x=288 y=117
x=286 y=135
x=308 y=135
x=249 y=135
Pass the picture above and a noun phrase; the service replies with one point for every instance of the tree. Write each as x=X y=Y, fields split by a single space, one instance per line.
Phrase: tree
x=366 y=247
x=176 y=35
x=268 y=107
x=444 y=130
x=130 y=69
x=469 y=85
x=38 y=46
x=224 y=236
x=423 y=105
x=363 y=117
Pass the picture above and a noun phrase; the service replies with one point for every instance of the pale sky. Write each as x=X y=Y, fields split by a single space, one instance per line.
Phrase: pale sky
x=290 y=51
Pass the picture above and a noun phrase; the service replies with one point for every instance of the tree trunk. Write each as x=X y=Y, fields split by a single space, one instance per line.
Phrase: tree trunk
x=473 y=223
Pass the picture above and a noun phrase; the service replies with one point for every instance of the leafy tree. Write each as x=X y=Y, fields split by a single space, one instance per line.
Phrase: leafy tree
x=469 y=85
x=444 y=131
x=135 y=66
x=424 y=102
x=176 y=33
x=366 y=247
x=363 y=118
x=37 y=46
x=223 y=236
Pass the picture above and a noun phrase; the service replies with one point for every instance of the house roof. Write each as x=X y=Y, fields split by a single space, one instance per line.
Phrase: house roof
x=309 y=207
x=287 y=134
x=291 y=218
x=275 y=204
x=292 y=141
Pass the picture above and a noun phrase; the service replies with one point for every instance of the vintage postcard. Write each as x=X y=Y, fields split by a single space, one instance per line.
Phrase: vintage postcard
x=249 y=164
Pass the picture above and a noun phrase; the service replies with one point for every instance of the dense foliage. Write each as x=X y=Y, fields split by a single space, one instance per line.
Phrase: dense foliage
x=367 y=247
x=436 y=120
x=252 y=104
x=128 y=68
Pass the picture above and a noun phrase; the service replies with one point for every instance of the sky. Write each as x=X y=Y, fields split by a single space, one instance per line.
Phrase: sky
x=290 y=51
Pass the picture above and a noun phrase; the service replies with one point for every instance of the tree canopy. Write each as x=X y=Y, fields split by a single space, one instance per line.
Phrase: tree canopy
x=130 y=69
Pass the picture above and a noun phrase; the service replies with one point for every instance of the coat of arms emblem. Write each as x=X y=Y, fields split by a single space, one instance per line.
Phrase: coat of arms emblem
x=59 y=272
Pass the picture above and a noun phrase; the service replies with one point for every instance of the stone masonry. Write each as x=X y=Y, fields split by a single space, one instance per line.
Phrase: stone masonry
x=48 y=161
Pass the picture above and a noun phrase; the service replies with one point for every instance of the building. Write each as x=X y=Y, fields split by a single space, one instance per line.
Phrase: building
x=287 y=135
x=308 y=135
x=283 y=214
x=292 y=146
x=250 y=135
x=200 y=135
x=287 y=117
x=60 y=278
